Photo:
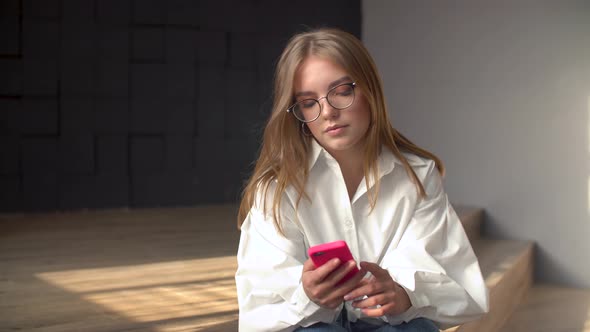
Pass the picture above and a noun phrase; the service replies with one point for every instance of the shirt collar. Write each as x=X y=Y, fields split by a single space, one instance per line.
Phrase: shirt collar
x=316 y=150
x=386 y=160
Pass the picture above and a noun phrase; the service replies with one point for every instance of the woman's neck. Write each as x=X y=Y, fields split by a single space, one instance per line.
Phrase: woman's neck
x=351 y=165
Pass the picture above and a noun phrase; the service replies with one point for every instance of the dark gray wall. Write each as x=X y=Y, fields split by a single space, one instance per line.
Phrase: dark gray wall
x=110 y=103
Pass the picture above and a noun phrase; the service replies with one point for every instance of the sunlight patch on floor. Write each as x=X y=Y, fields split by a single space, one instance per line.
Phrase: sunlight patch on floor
x=199 y=290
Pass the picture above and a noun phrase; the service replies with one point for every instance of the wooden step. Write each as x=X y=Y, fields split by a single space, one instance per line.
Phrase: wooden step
x=507 y=267
x=472 y=219
x=552 y=308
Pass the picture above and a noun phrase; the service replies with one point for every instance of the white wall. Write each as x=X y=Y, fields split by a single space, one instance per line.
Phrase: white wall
x=501 y=92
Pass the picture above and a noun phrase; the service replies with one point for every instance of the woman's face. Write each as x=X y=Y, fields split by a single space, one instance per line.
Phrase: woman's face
x=339 y=131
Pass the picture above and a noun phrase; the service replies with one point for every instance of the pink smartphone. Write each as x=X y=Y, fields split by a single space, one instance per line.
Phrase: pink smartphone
x=322 y=253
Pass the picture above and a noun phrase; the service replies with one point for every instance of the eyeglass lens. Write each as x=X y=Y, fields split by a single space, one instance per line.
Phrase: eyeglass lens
x=339 y=97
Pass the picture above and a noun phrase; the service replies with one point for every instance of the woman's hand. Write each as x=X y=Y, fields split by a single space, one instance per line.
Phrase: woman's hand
x=381 y=290
x=320 y=283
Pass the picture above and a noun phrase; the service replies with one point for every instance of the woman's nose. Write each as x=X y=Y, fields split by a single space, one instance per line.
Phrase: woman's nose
x=328 y=111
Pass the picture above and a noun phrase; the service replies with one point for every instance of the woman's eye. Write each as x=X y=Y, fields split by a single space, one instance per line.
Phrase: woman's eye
x=344 y=90
x=307 y=103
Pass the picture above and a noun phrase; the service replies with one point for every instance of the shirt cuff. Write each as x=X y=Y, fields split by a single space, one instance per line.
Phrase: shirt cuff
x=407 y=280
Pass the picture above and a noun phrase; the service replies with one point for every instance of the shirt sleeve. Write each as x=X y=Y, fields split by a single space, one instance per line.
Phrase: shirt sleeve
x=435 y=263
x=268 y=278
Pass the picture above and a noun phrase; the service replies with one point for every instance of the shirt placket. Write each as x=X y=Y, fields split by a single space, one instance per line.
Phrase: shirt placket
x=345 y=214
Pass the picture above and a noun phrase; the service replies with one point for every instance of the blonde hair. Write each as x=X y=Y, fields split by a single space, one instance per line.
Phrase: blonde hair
x=284 y=153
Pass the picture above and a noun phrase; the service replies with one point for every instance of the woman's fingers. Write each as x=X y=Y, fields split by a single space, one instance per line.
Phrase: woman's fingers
x=375 y=269
x=339 y=273
x=323 y=271
x=367 y=286
x=334 y=291
x=386 y=309
x=379 y=295
x=372 y=301
x=320 y=284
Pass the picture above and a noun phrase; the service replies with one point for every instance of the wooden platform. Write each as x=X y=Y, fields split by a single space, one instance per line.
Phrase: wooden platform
x=169 y=270
x=148 y=270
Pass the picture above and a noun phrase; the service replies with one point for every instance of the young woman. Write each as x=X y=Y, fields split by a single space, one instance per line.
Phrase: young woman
x=333 y=168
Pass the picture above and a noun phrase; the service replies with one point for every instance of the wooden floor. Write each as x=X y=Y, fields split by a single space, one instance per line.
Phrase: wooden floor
x=160 y=270
x=550 y=308
x=148 y=270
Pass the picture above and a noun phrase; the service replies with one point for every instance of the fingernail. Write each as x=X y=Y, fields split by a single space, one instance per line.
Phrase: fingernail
x=347 y=297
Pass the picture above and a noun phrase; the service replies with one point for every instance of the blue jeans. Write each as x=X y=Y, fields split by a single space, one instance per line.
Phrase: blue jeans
x=343 y=325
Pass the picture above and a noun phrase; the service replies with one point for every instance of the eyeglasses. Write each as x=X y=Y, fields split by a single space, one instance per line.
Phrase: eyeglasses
x=339 y=97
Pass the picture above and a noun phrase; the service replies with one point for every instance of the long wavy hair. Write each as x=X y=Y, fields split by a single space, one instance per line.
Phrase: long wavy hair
x=284 y=153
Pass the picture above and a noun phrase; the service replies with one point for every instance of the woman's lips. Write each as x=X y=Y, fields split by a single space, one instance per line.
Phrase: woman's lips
x=335 y=130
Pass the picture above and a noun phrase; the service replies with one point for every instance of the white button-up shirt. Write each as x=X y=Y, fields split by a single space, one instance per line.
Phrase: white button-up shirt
x=421 y=242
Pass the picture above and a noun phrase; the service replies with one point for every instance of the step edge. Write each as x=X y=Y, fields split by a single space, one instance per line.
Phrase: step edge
x=495 y=281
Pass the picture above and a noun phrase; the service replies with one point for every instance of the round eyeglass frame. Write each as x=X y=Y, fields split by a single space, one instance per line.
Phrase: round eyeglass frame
x=351 y=84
